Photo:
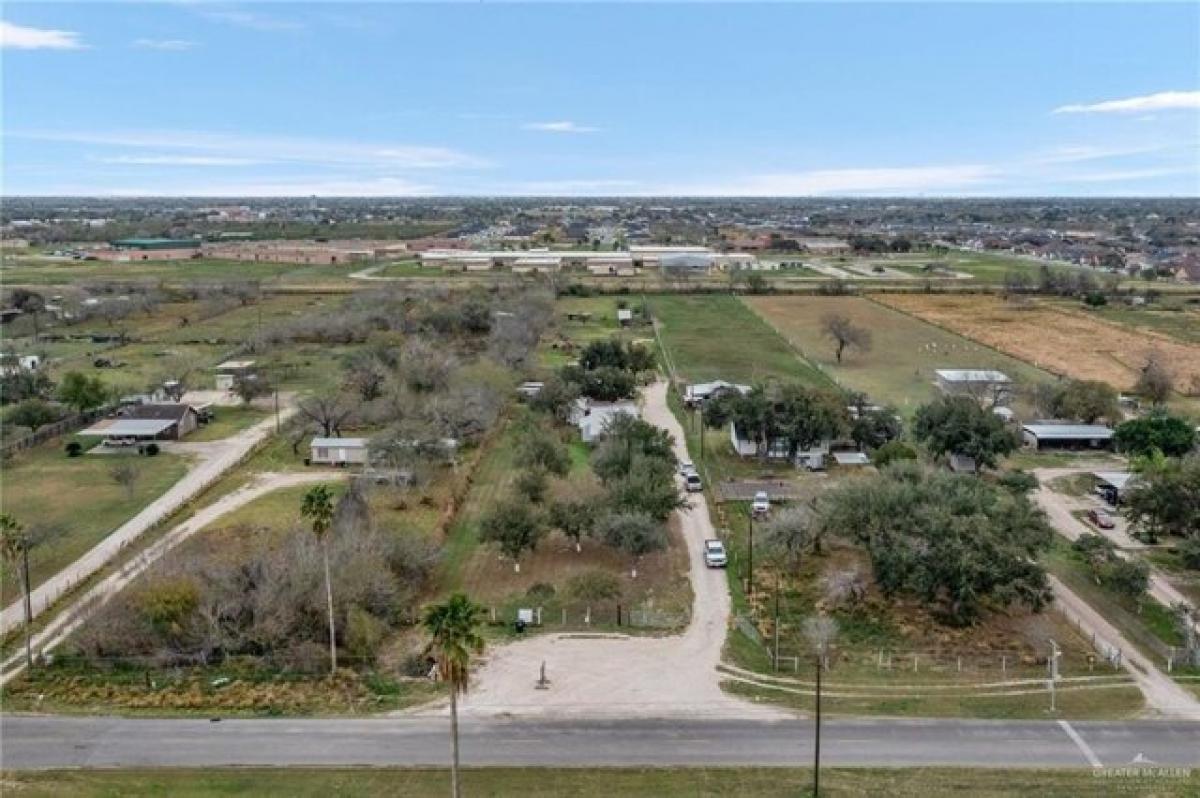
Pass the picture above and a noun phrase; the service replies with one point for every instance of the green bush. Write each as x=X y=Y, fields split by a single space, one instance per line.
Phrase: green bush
x=540 y=591
x=594 y=585
x=74 y=449
x=152 y=449
x=363 y=635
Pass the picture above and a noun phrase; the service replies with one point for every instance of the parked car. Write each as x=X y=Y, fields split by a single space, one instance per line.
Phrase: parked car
x=761 y=504
x=692 y=482
x=686 y=468
x=714 y=554
x=1101 y=519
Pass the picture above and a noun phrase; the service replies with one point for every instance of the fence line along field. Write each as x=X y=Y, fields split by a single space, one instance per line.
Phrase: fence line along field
x=899 y=366
x=1074 y=344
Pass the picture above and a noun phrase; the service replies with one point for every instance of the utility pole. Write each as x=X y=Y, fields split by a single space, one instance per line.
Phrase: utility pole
x=28 y=603
x=775 y=626
x=817 y=739
x=1053 y=668
x=750 y=560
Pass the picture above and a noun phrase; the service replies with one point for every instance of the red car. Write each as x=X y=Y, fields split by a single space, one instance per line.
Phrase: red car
x=1101 y=519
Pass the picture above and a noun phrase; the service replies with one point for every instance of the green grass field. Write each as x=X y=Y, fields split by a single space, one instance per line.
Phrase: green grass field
x=905 y=352
x=717 y=337
x=228 y=421
x=599 y=783
x=40 y=271
x=76 y=501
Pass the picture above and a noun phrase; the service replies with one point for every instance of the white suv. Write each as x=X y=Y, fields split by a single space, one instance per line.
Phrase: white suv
x=714 y=554
x=761 y=504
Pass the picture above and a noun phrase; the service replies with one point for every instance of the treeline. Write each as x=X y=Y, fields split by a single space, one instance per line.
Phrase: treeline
x=202 y=604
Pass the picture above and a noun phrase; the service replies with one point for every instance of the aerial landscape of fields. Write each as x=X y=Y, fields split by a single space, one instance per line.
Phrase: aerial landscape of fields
x=600 y=399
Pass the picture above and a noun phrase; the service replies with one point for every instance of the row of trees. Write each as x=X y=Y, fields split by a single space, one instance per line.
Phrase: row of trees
x=635 y=492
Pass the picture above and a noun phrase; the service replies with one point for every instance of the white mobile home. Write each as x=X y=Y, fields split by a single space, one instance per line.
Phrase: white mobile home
x=338 y=451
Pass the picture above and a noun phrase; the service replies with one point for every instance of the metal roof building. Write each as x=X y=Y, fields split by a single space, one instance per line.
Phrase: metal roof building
x=1046 y=435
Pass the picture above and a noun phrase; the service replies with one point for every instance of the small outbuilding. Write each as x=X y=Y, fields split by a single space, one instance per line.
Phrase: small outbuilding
x=229 y=372
x=702 y=391
x=1055 y=435
x=988 y=385
x=338 y=451
x=851 y=459
x=1113 y=484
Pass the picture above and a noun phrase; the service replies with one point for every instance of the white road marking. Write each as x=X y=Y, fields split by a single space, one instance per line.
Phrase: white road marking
x=1082 y=745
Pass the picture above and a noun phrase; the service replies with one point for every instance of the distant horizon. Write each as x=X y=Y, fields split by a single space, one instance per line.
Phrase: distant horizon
x=597 y=198
x=548 y=100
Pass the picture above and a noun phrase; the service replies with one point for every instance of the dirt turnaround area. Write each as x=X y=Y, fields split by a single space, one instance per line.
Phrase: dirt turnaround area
x=1062 y=341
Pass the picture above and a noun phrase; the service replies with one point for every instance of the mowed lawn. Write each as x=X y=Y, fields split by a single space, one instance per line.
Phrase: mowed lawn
x=905 y=352
x=634 y=782
x=718 y=337
x=75 y=503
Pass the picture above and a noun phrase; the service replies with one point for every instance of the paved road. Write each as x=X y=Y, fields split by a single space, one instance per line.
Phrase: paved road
x=83 y=606
x=30 y=742
x=214 y=460
x=600 y=676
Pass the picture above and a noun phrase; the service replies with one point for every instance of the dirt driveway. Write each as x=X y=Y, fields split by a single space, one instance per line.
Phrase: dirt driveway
x=619 y=676
x=213 y=459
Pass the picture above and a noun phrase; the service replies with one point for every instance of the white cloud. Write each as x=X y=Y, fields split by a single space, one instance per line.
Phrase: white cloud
x=886 y=180
x=322 y=152
x=567 y=187
x=1162 y=101
x=20 y=37
x=560 y=127
x=251 y=20
x=1123 y=176
x=300 y=187
x=1076 y=153
x=172 y=45
x=179 y=160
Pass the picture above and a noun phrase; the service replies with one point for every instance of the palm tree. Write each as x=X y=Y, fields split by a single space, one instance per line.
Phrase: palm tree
x=453 y=638
x=318 y=508
x=14 y=547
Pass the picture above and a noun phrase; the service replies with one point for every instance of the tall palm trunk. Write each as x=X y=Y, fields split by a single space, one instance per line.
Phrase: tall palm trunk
x=329 y=606
x=455 y=789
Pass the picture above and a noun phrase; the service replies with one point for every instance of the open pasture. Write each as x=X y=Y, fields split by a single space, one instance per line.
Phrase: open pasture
x=899 y=368
x=1073 y=344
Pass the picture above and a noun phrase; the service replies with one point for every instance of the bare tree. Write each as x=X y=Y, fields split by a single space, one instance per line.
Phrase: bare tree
x=845 y=334
x=329 y=410
x=844 y=586
x=126 y=475
x=1155 y=381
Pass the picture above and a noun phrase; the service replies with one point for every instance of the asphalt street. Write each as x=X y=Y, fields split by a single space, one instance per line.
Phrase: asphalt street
x=31 y=742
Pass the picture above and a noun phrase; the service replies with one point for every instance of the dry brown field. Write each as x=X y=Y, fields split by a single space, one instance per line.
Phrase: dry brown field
x=1073 y=343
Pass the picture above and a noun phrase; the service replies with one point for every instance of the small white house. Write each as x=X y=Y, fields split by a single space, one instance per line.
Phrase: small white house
x=15 y=364
x=593 y=418
x=338 y=451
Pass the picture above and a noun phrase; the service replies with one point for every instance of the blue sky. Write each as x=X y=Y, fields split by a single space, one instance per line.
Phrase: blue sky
x=388 y=99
